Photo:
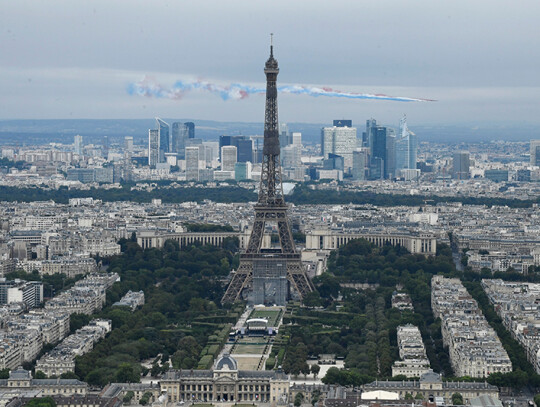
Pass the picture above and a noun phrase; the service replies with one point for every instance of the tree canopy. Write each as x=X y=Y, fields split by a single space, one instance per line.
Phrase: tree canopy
x=180 y=286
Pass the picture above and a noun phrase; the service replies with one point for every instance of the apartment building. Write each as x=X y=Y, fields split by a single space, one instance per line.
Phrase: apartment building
x=517 y=305
x=475 y=349
x=414 y=361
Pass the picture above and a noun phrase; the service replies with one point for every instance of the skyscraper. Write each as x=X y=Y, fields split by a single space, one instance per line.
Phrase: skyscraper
x=228 y=158
x=211 y=151
x=191 y=129
x=368 y=142
x=153 y=147
x=179 y=135
x=382 y=146
x=390 y=162
x=360 y=158
x=128 y=153
x=461 y=165
x=340 y=141
x=128 y=145
x=535 y=152
x=224 y=140
x=192 y=163
x=291 y=156
x=406 y=147
x=258 y=142
x=78 y=144
x=377 y=145
x=164 y=138
x=244 y=147
x=296 y=139
x=197 y=142
x=378 y=142
x=283 y=135
x=244 y=150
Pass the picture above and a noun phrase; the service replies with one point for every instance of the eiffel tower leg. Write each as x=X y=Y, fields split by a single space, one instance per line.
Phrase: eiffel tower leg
x=298 y=278
x=242 y=278
x=296 y=272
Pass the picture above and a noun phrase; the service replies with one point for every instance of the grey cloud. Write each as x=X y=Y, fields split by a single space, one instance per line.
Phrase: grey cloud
x=478 y=58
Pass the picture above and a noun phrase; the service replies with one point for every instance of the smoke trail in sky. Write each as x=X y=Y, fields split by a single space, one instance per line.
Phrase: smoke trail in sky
x=236 y=91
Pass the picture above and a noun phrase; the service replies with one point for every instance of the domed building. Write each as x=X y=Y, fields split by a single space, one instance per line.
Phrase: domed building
x=224 y=382
x=226 y=362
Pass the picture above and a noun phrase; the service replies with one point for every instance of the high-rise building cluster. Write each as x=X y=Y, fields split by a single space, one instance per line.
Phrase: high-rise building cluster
x=200 y=158
x=380 y=154
x=291 y=153
x=162 y=141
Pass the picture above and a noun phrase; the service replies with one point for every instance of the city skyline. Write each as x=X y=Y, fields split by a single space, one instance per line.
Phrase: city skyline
x=191 y=262
x=449 y=52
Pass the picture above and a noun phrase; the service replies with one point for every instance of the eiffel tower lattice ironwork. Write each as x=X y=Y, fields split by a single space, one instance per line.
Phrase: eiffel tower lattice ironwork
x=270 y=207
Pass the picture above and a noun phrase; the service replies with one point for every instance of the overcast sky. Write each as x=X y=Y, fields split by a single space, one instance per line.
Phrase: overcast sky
x=480 y=59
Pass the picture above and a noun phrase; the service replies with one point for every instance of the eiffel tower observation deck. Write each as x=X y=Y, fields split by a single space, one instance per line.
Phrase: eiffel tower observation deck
x=275 y=275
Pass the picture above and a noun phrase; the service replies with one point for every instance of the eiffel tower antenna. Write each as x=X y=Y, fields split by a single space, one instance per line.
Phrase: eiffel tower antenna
x=274 y=275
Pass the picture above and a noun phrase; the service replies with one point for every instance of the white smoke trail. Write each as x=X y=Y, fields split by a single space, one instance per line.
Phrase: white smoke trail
x=236 y=91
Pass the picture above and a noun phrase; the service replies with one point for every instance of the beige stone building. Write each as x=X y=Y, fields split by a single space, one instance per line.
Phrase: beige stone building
x=21 y=379
x=226 y=383
x=431 y=386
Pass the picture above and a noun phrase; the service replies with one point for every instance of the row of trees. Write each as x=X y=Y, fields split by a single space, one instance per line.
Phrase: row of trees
x=364 y=330
x=301 y=195
x=388 y=266
x=207 y=227
x=346 y=377
x=367 y=338
x=7 y=163
x=124 y=193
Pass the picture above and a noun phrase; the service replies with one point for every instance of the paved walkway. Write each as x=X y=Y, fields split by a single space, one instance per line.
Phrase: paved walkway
x=248 y=356
x=227 y=348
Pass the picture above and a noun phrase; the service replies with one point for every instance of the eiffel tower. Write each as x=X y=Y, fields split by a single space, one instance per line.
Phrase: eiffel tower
x=273 y=264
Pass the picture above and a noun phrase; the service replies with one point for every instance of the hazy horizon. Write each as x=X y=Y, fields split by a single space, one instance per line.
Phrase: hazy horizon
x=37 y=131
x=479 y=60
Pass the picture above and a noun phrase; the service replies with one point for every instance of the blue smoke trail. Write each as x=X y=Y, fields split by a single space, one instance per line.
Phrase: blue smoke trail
x=236 y=91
